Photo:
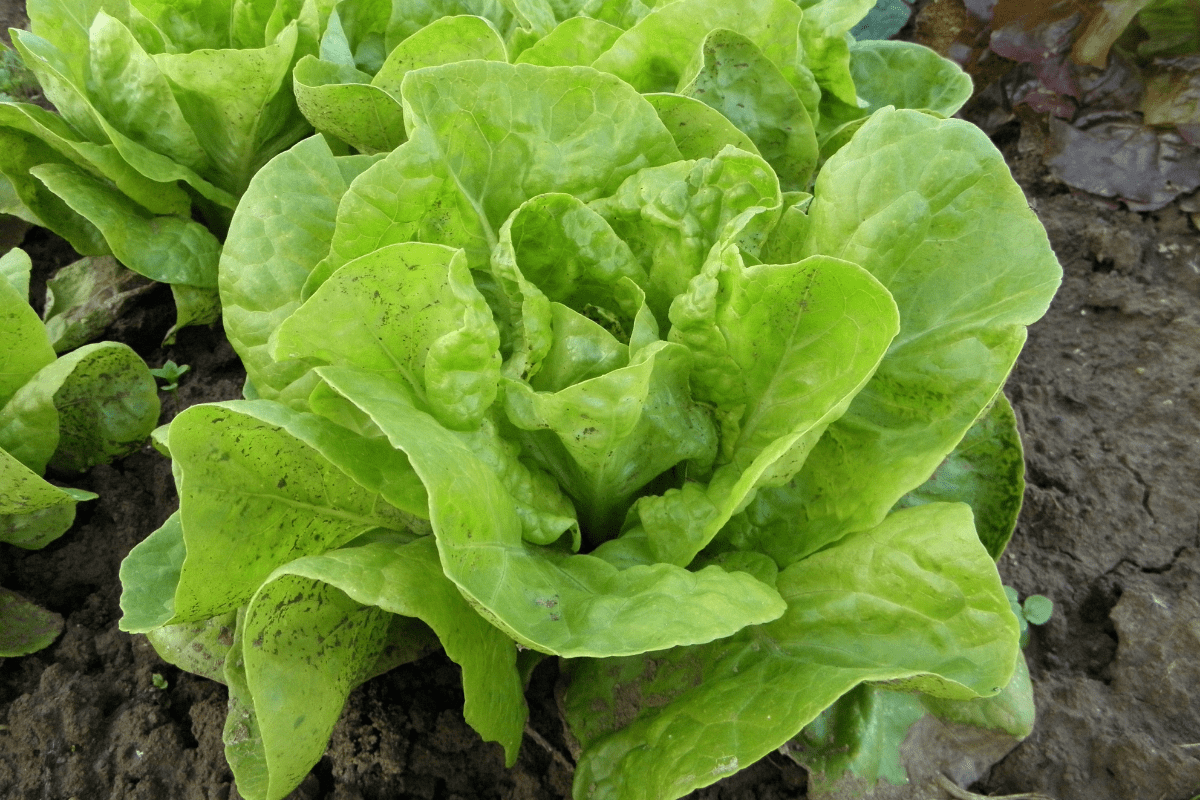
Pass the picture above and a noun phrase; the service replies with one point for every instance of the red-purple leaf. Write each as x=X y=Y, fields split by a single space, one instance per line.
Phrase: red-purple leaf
x=1115 y=155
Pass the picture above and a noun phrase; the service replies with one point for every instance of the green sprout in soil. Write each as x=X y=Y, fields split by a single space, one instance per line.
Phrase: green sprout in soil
x=159 y=681
x=1036 y=610
x=171 y=373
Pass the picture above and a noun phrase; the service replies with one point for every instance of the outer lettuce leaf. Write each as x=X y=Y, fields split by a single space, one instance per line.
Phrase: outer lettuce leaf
x=166 y=249
x=305 y=645
x=551 y=129
x=33 y=513
x=987 y=472
x=15 y=269
x=916 y=597
x=907 y=75
x=240 y=468
x=149 y=577
x=569 y=605
x=406 y=579
x=914 y=224
x=26 y=346
x=92 y=405
x=19 y=153
x=85 y=297
x=243 y=735
x=160 y=198
x=200 y=648
x=900 y=74
x=24 y=627
x=874 y=736
x=857 y=741
x=193 y=306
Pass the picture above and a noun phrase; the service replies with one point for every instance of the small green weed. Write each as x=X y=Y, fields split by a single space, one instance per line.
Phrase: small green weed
x=171 y=373
x=1036 y=610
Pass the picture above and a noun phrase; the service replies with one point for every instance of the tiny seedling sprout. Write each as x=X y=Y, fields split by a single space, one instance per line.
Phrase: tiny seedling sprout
x=1036 y=610
x=171 y=373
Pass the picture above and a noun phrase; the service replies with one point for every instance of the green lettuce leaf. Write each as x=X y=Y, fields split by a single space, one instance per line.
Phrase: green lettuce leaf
x=129 y=90
x=606 y=437
x=279 y=234
x=577 y=41
x=734 y=77
x=553 y=131
x=33 y=512
x=963 y=314
x=437 y=332
x=781 y=350
x=363 y=116
x=26 y=347
x=987 y=472
x=916 y=598
x=569 y=605
x=166 y=249
x=873 y=736
x=700 y=131
x=24 y=627
x=85 y=297
x=305 y=645
x=240 y=468
x=92 y=405
x=654 y=55
x=406 y=579
x=239 y=104
x=671 y=216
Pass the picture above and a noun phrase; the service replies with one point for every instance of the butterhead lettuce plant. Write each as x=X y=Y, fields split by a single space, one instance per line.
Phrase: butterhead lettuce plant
x=90 y=406
x=165 y=111
x=589 y=367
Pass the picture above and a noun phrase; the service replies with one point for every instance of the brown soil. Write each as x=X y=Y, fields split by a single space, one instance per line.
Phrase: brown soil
x=1108 y=394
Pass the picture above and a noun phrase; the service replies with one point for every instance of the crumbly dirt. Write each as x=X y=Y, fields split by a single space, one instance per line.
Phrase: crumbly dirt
x=1108 y=395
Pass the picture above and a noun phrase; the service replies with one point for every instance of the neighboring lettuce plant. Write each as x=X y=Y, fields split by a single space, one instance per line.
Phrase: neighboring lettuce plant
x=165 y=111
x=1120 y=81
x=71 y=413
x=793 y=99
x=581 y=367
